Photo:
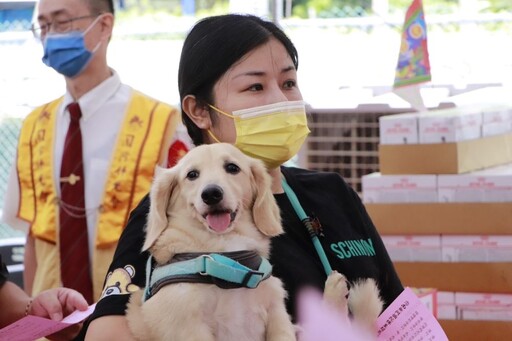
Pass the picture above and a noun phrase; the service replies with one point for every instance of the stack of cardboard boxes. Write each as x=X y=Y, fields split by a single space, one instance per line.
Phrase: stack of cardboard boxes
x=443 y=204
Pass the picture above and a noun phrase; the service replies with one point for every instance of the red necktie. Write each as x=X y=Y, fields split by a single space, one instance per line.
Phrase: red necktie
x=74 y=250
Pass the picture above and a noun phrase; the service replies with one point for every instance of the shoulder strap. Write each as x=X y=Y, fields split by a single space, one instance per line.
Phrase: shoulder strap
x=308 y=224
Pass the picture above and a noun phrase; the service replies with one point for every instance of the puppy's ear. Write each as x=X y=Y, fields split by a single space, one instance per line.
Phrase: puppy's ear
x=159 y=196
x=265 y=211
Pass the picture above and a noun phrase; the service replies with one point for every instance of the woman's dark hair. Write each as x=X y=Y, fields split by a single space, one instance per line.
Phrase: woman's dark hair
x=213 y=46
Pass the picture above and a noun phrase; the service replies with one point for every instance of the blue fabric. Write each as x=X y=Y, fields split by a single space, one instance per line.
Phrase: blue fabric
x=66 y=53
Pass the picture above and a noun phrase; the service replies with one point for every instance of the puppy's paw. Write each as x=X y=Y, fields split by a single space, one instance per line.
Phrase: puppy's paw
x=336 y=292
x=365 y=303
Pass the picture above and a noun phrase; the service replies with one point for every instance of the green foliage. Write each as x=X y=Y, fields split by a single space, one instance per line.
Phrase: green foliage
x=206 y=8
x=430 y=6
x=348 y=8
x=496 y=6
x=331 y=8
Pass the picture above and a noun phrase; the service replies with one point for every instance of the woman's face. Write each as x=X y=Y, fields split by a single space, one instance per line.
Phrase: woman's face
x=263 y=76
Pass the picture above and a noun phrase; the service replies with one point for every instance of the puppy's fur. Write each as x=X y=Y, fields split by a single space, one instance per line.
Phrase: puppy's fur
x=183 y=219
x=362 y=300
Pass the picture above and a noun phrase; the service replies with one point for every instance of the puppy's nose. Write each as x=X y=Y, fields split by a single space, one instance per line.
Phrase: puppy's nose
x=212 y=195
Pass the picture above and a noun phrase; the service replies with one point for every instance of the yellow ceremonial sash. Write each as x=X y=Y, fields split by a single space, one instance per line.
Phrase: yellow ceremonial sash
x=136 y=154
x=133 y=165
x=34 y=164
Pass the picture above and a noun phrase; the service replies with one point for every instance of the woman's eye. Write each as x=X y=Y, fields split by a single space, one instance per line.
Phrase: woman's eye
x=231 y=168
x=256 y=87
x=192 y=175
x=290 y=84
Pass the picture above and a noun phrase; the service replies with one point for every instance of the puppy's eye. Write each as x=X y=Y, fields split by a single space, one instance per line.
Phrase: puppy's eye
x=192 y=175
x=231 y=168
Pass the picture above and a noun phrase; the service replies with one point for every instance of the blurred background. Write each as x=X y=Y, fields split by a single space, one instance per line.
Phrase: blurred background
x=348 y=52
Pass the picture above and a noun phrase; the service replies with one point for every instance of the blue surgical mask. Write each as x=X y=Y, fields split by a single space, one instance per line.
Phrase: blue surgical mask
x=66 y=52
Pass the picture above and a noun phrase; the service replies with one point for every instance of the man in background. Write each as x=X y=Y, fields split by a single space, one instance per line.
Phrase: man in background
x=85 y=159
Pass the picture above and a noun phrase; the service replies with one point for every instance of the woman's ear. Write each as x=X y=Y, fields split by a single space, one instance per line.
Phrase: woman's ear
x=197 y=111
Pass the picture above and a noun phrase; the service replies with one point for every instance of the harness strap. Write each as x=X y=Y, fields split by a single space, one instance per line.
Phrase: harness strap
x=306 y=221
x=212 y=266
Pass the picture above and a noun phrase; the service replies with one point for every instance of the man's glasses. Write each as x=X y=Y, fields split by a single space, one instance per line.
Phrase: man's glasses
x=58 y=26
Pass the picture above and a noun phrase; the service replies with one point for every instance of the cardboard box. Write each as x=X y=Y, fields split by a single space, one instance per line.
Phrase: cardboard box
x=407 y=248
x=486 y=313
x=446 y=308
x=461 y=277
x=483 y=248
x=483 y=306
x=496 y=113
x=450 y=125
x=378 y=188
x=428 y=296
x=473 y=306
x=446 y=158
x=442 y=218
x=458 y=330
x=483 y=299
x=399 y=129
x=496 y=128
x=475 y=187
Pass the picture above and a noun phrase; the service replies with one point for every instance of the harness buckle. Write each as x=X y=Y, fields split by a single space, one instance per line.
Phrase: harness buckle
x=204 y=258
x=248 y=276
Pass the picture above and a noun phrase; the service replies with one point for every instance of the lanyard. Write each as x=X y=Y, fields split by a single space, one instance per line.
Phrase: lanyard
x=308 y=224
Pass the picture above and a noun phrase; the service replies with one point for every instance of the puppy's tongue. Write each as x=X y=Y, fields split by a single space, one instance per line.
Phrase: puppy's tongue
x=219 y=222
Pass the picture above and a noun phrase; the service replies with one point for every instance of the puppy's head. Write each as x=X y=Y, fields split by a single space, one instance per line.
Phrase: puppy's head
x=217 y=188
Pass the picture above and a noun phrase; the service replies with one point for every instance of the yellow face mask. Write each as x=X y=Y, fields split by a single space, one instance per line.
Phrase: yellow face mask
x=271 y=133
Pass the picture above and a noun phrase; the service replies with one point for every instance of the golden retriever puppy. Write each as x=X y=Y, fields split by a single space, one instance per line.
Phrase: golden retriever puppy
x=215 y=201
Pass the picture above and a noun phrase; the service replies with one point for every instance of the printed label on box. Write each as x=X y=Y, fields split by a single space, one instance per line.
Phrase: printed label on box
x=474 y=187
x=399 y=129
x=378 y=188
x=476 y=248
x=409 y=248
x=449 y=125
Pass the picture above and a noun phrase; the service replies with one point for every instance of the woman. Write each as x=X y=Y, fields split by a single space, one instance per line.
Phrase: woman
x=238 y=84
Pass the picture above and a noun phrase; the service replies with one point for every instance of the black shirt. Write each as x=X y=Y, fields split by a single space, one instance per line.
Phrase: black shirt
x=350 y=240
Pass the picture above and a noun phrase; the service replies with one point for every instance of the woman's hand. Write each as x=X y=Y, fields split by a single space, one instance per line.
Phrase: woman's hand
x=56 y=304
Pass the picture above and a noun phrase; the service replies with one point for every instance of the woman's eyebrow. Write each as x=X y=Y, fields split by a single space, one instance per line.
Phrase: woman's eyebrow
x=288 y=69
x=262 y=73
x=250 y=73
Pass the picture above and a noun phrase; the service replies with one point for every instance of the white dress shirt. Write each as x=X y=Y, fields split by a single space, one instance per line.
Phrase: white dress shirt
x=103 y=109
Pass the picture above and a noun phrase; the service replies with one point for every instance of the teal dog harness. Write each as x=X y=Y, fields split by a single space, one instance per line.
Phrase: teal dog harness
x=227 y=270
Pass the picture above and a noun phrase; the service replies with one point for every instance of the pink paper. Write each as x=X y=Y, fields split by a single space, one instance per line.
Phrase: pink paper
x=318 y=321
x=33 y=327
x=408 y=319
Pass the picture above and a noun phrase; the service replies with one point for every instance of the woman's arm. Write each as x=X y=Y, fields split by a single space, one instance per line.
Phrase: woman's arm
x=30 y=264
x=109 y=328
x=127 y=274
x=14 y=301
x=53 y=303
